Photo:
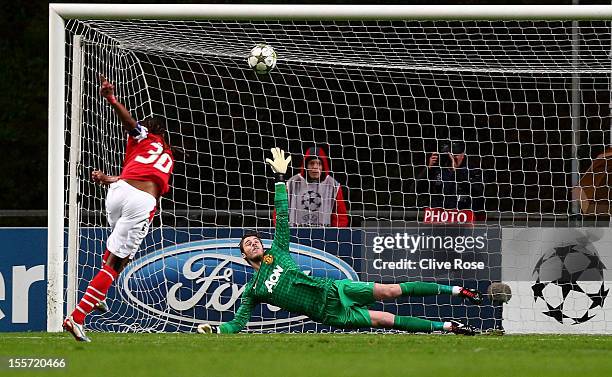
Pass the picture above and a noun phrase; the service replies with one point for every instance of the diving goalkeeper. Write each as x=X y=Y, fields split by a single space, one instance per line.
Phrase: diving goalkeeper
x=340 y=303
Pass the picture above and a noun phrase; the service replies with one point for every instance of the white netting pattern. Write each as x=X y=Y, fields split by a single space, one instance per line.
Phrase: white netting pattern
x=379 y=96
x=527 y=46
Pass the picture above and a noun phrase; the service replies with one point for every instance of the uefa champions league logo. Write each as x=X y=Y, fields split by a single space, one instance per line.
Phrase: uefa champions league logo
x=311 y=201
x=570 y=281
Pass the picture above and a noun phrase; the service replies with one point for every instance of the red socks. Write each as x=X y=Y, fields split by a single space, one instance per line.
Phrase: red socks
x=96 y=292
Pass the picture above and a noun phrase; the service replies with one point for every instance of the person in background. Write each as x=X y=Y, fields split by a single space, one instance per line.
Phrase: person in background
x=595 y=188
x=315 y=197
x=451 y=182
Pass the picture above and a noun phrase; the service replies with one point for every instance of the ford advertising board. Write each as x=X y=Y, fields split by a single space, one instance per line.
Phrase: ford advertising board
x=202 y=281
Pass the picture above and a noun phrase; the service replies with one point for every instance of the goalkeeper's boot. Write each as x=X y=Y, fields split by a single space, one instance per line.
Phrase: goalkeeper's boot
x=101 y=307
x=75 y=329
x=462 y=329
x=472 y=295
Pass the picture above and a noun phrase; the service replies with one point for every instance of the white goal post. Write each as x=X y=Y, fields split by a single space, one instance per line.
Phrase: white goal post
x=59 y=200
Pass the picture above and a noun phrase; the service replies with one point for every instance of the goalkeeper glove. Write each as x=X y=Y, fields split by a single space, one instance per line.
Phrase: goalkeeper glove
x=205 y=328
x=279 y=163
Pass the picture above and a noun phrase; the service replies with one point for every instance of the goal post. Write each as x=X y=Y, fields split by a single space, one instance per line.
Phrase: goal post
x=400 y=67
x=55 y=199
x=331 y=12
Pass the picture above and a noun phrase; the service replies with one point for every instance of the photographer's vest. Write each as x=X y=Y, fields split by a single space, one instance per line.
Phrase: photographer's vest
x=311 y=204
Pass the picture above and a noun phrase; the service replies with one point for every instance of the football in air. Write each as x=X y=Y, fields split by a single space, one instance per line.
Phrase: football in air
x=262 y=58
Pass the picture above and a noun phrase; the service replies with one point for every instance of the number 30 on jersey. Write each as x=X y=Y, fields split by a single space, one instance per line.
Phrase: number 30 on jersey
x=161 y=161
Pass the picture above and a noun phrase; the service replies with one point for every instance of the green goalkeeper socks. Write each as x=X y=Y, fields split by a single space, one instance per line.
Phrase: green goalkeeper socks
x=419 y=288
x=413 y=324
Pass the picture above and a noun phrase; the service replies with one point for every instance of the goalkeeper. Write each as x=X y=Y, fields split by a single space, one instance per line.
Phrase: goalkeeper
x=340 y=303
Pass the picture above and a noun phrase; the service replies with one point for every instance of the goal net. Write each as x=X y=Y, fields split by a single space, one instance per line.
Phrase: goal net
x=527 y=100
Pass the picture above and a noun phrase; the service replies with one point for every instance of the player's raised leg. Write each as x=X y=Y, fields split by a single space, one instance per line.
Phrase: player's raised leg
x=420 y=289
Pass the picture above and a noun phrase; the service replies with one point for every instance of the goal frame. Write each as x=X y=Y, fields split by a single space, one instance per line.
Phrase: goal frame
x=58 y=13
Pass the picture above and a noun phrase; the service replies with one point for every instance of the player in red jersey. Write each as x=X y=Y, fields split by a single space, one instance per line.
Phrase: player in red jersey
x=131 y=202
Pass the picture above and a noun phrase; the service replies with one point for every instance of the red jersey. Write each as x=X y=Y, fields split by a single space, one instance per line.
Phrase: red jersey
x=148 y=158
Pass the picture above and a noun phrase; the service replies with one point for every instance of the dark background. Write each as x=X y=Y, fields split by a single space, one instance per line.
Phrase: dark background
x=23 y=100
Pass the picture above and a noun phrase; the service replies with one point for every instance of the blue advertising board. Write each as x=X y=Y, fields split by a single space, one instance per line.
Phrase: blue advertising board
x=23 y=274
x=185 y=276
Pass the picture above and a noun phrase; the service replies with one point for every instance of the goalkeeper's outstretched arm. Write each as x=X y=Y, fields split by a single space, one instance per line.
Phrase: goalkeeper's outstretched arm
x=243 y=314
x=279 y=165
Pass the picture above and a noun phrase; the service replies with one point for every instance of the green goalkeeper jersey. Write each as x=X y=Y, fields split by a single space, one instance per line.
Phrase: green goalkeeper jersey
x=280 y=281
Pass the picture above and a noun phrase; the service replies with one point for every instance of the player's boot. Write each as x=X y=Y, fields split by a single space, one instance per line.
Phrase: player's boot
x=75 y=329
x=462 y=329
x=101 y=307
x=472 y=295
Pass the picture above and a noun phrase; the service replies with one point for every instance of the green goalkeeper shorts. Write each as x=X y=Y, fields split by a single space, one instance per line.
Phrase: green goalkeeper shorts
x=347 y=304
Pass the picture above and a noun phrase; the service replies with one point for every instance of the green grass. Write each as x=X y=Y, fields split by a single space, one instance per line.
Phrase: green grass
x=376 y=355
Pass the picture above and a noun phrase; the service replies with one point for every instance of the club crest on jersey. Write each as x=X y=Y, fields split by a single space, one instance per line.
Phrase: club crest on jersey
x=268 y=259
x=273 y=279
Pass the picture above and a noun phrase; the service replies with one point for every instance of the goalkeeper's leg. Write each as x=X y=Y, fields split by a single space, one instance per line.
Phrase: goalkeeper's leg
x=412 y=324
x=420 y=289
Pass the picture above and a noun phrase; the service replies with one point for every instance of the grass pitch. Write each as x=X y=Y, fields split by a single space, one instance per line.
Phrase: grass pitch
x=311 y=355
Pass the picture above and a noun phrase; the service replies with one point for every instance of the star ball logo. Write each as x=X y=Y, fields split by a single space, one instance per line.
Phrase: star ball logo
x=311 y=200
x=570 y=281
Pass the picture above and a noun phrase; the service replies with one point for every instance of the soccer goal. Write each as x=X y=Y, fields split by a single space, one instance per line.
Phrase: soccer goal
x=525 y=91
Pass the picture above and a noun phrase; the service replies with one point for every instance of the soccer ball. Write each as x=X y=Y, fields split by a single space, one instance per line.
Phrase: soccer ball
x=262 y=58
x=569 y=280
x=499 y=293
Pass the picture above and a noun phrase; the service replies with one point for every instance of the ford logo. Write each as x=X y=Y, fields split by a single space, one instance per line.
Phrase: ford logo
x=201 y=281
